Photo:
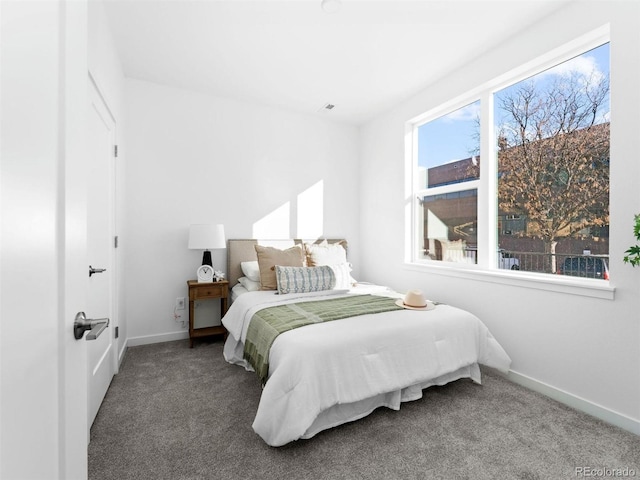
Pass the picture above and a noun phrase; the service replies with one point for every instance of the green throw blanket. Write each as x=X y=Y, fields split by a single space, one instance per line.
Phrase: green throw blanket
x=268 y=323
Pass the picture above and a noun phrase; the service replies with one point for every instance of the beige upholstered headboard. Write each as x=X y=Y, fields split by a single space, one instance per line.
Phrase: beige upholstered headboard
x=243 y=250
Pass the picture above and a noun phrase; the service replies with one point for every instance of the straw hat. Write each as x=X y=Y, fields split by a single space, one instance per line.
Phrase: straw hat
x=414 y=300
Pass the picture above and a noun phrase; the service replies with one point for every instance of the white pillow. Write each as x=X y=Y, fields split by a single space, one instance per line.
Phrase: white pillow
x=304 y=279
x=343 y=276
x=251 y=270
x=325 y=253
x=249 y=284
x=236 y=291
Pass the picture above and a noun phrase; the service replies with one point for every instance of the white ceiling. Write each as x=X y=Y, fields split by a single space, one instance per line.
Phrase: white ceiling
x=290 y=54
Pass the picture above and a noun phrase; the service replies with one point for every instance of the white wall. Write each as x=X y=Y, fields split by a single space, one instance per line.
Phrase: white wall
x=194 y=158
x=106 y=71
x=582 y=350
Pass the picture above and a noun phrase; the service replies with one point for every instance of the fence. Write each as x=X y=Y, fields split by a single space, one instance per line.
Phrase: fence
x=587 y=266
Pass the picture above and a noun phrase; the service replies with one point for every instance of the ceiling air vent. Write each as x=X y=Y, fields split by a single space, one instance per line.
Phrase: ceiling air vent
x=327 y=107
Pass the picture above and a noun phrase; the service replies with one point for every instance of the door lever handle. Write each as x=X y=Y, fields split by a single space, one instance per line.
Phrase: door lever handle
x=96 y=270
x=94 y=326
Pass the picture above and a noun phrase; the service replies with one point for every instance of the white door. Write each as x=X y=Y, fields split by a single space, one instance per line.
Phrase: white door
x=43 y=394
x=100 y=247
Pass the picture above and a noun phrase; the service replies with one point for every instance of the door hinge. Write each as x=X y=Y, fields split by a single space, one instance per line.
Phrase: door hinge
x=115 y=151
x=115 y=242
x=117 y=331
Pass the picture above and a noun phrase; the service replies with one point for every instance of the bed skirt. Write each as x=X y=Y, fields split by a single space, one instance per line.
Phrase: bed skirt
x=344 y=413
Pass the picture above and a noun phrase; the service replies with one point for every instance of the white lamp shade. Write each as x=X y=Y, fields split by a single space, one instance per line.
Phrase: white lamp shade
x=206 y=237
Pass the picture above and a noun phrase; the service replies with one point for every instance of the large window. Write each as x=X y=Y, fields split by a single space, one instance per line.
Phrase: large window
x=534 y=168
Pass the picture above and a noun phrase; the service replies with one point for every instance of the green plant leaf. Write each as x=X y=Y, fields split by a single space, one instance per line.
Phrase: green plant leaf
x=633 y=252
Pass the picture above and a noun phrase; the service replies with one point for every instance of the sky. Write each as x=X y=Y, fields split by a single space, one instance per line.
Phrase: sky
x=454 y=136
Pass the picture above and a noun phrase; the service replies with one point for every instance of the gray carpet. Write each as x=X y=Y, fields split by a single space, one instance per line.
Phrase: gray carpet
x=179 y=413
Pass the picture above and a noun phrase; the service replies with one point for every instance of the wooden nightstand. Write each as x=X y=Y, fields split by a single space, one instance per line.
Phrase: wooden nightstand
x=206 y=291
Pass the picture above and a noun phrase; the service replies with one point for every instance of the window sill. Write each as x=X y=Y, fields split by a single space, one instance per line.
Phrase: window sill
x=553 y=283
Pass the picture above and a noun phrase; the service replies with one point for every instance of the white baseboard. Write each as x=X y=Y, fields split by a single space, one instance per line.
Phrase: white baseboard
x=149 y=339
x=122 y=353
x=595 y=410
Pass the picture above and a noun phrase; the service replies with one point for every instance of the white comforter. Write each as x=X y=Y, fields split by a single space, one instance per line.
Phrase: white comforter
x=329 y=373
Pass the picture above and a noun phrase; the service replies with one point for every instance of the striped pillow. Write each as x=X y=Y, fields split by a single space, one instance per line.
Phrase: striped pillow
x=304 y=279
x=343 y=276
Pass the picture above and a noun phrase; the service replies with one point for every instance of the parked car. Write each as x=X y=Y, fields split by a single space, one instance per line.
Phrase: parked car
x=507 y=261
x=584 y=266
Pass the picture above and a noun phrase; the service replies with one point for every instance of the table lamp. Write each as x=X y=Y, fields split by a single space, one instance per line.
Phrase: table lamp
x=206 y=237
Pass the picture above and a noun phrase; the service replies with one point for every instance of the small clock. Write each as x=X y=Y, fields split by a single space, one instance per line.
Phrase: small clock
x=205 y=273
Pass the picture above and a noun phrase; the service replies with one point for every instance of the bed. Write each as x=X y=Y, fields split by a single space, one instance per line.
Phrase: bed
x=328 y=373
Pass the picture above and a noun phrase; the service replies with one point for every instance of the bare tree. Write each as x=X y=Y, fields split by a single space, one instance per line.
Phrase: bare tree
x=553 y=157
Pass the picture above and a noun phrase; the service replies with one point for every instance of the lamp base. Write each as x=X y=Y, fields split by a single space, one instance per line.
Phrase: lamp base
x=206 y=258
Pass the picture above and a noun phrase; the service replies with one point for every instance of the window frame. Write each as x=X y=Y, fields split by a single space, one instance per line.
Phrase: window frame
x=487 y=268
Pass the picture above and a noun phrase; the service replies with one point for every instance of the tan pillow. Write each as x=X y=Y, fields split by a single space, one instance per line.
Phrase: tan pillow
x=269 y=257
